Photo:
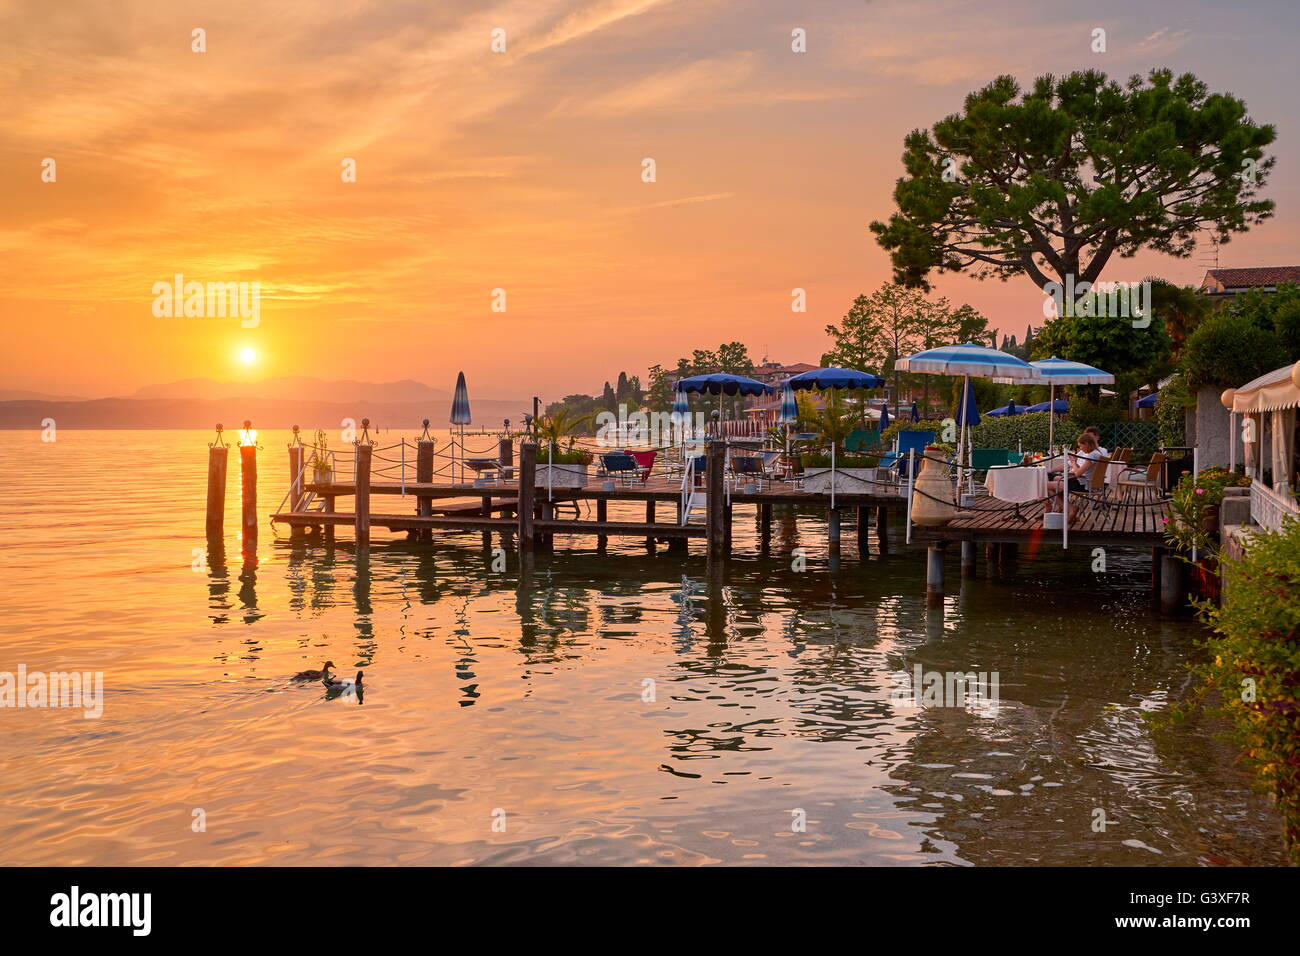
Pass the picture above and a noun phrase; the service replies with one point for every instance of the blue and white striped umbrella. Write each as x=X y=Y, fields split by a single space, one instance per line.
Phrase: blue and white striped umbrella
x=681 y=404
x=884 y=416
x=967 y=359
x=1060 y=371
x=1057 y=371
x=789 y=407
x=460 y=402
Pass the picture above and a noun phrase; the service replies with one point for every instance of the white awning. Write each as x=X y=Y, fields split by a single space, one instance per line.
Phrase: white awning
x=1272 y=392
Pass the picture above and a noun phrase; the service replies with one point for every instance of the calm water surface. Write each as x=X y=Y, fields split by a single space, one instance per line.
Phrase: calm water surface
x=495 y=691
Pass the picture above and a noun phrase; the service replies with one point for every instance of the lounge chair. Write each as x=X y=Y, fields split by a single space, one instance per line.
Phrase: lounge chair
x=645 y=461
x=620 y=465
x=747 y=467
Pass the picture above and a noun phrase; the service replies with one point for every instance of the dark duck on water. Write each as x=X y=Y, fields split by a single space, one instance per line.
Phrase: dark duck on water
x=322 y=674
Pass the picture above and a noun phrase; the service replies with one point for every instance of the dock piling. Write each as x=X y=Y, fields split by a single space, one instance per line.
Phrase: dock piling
x=248 y=495
x=934 y=573
x=527 y=489
x=424 y=475
x=833 y=530
x=715 y=505
x=362 y=519
x=217 y=459
x=1173 y=586
x=968 y=559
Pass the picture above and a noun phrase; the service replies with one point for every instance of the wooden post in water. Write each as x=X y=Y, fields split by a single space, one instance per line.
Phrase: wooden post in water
x=364 y=453
x=833 y=530
x=602 y=514
x=424 y=475
x=296 y=495
x=217 y=458
x=882 y=528
x=1173 y=589
x=934 y=573
x=527 y=489
x=715 y=506
x=968 y=559
x=506 y=453
x=248 y=493
x=650 y=519
x=765 y=526
x=864 y=529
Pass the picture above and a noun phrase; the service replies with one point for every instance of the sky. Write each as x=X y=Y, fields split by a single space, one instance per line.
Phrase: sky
x=519 y=171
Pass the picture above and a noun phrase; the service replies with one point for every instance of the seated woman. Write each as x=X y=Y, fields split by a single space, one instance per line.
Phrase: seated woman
x=1081 y=465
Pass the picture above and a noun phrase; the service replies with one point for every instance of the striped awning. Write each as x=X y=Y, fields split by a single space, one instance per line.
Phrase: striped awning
x=1278 y=389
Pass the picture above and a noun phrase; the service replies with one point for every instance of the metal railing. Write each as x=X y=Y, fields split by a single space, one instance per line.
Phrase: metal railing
x=1269 y=508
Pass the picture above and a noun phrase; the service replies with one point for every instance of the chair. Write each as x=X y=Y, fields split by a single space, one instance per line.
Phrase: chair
x=1137 y=478
x=1096 y=484
x=982 y=459
x=793 y=467
x=909 y=442
x=862 y=440
x=747 y=466
x=619 y=464
x=645 y=461
x=773 y=467
x=488 y=469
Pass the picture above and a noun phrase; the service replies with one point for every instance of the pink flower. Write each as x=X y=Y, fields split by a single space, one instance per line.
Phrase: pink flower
x=1165 y=520
x=1200 y=491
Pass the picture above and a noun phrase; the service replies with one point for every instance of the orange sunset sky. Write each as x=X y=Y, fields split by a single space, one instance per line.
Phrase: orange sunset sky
x=519 y=170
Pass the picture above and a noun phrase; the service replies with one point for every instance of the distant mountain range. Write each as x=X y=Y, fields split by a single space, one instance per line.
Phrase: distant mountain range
x=271 y=403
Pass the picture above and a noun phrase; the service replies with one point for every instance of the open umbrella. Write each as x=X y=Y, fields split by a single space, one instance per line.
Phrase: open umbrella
x=1011 y=408
x=723 y=383
x=1148 y=401
x=460 y=414
x=823 y=378
x=1057 y=371
x=966 y=360
x=1059 y=406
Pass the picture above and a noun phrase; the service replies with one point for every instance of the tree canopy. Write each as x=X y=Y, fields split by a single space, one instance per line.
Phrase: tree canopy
x=1079 y=169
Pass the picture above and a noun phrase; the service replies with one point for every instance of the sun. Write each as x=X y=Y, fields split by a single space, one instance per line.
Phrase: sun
x=248 y=355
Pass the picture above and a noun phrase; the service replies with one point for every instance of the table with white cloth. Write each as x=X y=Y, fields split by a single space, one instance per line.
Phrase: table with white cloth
x=1017 y=484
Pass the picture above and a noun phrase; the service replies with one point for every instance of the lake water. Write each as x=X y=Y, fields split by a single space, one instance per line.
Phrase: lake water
x=603 y=709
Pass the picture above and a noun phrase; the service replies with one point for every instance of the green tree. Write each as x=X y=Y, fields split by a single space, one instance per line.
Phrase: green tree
x=659 y=398
x=1134 y=355
x=1077 y=170
x=1228 y=350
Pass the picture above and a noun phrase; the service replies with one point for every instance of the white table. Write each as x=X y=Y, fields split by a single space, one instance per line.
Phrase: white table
x=1020 y=484
x=1017 y=484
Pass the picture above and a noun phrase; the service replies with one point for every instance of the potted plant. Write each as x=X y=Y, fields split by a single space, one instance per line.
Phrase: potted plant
x=1192 y=526
x=319 y=460
x=561 y=465
x=853 y=473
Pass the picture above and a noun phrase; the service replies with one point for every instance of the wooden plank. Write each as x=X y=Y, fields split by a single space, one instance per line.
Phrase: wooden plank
x=632 y=528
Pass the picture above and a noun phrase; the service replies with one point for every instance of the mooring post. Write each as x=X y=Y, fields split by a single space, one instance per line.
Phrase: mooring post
x=364 y=453
x=602 y=514
x=882 y=528
x=934 y=573
x=968 y=559
x=424 y=476
x=864 y=529
x=527 y=483
x=248 y=491
x=1155 y=569
x=217 y=458
x=715 y=506
x=765 y=526
x=295 y=476
x=1173 y=588
x=650 y=519
x=506 y=454
x=833 y=530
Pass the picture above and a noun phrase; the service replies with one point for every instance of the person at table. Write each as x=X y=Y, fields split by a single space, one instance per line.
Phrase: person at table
x=1056 y=469
x=1081 y=465
x=1096 y=433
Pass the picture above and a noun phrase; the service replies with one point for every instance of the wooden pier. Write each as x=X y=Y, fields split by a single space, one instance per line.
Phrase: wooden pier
x=518 y=509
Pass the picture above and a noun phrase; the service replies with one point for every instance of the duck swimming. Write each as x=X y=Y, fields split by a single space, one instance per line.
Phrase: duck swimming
x=322 y=674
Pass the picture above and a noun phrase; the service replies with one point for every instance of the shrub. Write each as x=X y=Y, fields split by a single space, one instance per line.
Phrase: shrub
x=890 y=433
x=1029 y=429
x=1171 y=411
x=1228 y=350
x=565 y=456
x=1254 y=665
x=1193 y=509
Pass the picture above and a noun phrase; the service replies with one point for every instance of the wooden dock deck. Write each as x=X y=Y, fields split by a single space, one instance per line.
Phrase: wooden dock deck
x=1136 y=521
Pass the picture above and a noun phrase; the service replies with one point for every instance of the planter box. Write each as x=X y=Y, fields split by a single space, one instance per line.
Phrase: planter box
x=562 y=476
x=848 y=481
